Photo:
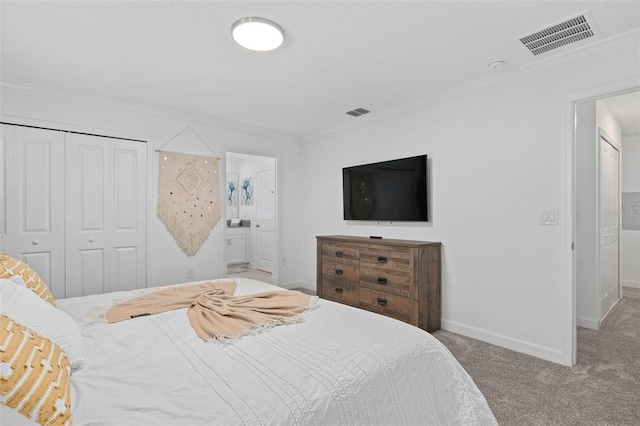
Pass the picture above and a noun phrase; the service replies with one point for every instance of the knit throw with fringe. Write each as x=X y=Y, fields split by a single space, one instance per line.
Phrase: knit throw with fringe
x=188 y=198
x=213 y=311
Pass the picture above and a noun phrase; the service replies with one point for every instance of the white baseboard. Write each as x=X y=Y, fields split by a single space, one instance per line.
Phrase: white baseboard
x=591 y=323
x=549 y=354
x=297 y=284
x=628 y=283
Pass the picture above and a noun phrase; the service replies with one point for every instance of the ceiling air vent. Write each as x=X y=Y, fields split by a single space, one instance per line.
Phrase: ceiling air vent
x=561 y=34
x=358 y=112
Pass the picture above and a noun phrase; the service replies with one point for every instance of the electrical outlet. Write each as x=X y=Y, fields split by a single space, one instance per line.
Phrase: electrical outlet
x=191 y=273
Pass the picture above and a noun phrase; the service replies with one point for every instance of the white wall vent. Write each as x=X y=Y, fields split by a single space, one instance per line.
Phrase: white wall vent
x=569 y=31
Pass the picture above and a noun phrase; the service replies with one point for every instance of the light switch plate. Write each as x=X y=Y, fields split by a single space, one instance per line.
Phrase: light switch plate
x=550 y=217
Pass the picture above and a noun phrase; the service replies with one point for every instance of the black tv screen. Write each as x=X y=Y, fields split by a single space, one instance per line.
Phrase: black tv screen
x=393 y=190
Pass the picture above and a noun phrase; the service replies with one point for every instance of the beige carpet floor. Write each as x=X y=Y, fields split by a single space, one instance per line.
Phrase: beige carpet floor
x=602 y=389
x=254 y=274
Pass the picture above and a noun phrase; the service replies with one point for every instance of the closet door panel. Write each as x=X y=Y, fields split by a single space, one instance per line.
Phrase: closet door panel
x=92 y=270
x=128 y=215
x=35 y=198
x=87 y=222
x=125 y=268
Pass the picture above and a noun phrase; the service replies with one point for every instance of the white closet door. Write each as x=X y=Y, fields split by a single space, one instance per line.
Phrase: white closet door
x=106 y=216
x=128 y=198
x=87 y=228
x=35 y=201
x=609 y=231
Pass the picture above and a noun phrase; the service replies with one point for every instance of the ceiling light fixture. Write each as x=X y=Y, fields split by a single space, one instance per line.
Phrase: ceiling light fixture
x=257 y=34
x=496 y=65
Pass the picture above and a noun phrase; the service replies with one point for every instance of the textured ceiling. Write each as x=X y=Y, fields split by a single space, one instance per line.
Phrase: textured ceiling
x=337 y=55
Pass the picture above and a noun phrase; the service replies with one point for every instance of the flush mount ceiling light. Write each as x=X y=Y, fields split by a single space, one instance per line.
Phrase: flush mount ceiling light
x=257 y=33
x=496 y=65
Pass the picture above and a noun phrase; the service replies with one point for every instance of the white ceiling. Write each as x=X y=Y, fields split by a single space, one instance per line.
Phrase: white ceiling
x=337 y=55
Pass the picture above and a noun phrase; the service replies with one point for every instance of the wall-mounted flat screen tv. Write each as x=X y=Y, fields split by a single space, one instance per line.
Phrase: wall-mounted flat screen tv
x=393 y=190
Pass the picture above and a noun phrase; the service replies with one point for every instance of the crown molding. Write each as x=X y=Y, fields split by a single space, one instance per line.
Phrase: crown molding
x=541 y=67
x=20 y=87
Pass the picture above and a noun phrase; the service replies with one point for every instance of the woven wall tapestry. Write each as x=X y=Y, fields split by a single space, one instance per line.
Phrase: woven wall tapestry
x=188 y=198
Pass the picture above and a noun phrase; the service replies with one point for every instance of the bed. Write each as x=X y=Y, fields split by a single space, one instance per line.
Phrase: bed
x=338 y=366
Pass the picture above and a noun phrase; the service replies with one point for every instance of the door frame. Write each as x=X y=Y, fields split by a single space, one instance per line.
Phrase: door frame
x=277 y=268
x=568 y=355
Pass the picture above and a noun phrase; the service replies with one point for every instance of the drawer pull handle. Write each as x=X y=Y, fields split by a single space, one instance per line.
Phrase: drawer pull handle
x=339 y=290
x=382 y=302
x=339 y=253
x=382 y=280
x=382 y=259
x=338 y=271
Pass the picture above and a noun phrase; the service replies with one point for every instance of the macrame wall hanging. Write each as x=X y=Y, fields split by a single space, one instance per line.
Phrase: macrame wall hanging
x=188 y=194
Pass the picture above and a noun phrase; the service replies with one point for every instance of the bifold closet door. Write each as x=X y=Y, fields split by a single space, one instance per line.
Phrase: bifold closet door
x=105 y=215
x=33 y=171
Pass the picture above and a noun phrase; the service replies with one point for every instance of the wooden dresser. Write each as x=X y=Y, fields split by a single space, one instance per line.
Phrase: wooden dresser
x=397 y=278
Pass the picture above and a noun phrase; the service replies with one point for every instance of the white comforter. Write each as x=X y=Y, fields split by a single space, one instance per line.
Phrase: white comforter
x=341 y=366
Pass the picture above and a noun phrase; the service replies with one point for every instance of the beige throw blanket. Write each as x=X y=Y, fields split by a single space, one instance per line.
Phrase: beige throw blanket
x=214 y=312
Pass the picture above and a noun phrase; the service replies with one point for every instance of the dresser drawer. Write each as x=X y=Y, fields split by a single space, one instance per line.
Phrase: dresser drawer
x=343 y=292
x=387 y=304
x=385 y=280
x=340 y=253
x=388 y=259
x=339 y=271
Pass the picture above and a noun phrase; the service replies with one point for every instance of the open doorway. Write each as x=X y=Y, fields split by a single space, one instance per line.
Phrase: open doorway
x=251 y=237
x=607 y=205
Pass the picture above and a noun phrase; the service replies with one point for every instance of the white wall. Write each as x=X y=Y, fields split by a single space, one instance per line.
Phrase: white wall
x=233 y=171
x=167 y=263
x=497 y=160
x=630 y=239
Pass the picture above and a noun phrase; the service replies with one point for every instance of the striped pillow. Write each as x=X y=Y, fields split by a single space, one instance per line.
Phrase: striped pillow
x=26 y=308
x=34 y=375
x=10 y=266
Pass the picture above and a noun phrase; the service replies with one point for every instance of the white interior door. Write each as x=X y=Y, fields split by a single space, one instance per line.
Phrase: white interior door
x=106 y=217
x=265 y=224
x=609 y=229
x=35 y=200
